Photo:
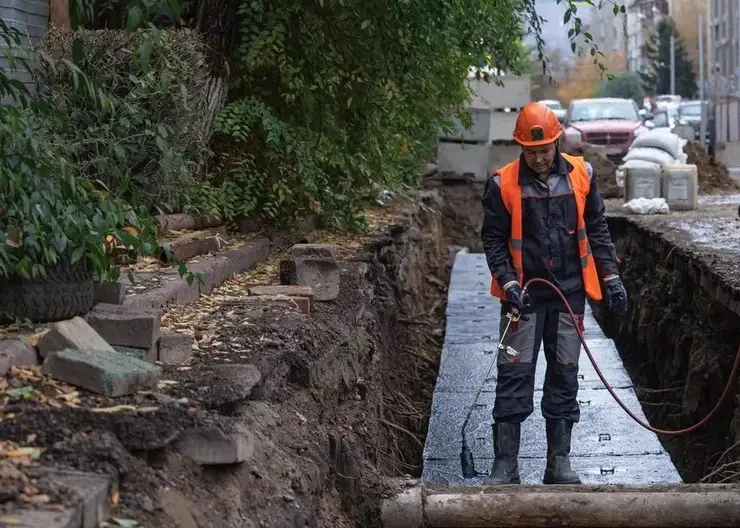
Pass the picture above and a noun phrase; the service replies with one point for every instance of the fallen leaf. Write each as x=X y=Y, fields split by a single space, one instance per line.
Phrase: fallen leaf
x=114 y=500
x=21 y=392
x=9 y=521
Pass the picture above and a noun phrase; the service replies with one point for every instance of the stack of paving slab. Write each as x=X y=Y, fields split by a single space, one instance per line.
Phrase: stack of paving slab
x=607 y=448
x=493 y=109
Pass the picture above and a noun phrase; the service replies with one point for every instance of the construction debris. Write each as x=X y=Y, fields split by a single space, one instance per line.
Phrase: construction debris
x=606 y=171
x=713 y=174
x=74 y=334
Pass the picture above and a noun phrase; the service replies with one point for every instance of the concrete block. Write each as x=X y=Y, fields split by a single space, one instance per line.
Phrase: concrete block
x=109 y=292
x=124 y=326
x=174 y=347
x=302 y=295
x=464 y=159
x=320 y=273
x=75 y=334
x=103 y=372
x=314 y=250
x=91 y=489
x=67 y=518
x=302 y=304
x=16 y=353
x=150 y=355
x=212 y=446
x=229 y=384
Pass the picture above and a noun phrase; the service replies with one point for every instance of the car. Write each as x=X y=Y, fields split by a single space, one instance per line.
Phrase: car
x=556 y=107
x=611 y=123
x=690 y=113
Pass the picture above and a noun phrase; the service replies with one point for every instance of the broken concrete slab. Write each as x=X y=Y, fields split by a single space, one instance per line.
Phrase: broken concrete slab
x=109 y=292
x=303 y=295
x=212 y=446
x=90 y=489
x=75 y=334
x=321 y=274
x=16 y=353
x=225 y=385
x=102 y=371
x=174 y=347
x=126 y=326
x=150 y=355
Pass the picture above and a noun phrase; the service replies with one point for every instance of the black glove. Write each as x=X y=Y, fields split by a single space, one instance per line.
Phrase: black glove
x=616 y=296
x=517 y=299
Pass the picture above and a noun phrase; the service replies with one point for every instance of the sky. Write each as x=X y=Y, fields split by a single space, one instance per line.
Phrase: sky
x=554 y=32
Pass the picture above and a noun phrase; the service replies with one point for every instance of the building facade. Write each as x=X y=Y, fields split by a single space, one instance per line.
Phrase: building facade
x=724 y=27
x=608 y=30
x=643 y=17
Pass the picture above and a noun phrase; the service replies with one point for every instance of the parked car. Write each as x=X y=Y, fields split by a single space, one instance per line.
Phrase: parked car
x=556 y=107
x=689 y=113
x=610 y=123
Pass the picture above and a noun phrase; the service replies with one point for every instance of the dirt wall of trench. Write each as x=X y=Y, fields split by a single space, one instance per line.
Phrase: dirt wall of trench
x=678 y=341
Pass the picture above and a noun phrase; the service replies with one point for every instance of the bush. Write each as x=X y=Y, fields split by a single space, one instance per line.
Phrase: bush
x=46 y=208
x=624 y=85
x=148 y=143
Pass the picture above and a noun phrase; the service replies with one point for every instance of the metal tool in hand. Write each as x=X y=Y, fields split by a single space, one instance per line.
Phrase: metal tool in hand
x=513 y=318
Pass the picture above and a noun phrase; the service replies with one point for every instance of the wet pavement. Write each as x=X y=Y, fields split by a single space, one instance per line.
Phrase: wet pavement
x=607 y=448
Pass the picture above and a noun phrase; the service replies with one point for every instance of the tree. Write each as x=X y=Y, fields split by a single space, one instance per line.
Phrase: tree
x=584 y=78
x=657 y=79
x=626 y=85
x=686 y=17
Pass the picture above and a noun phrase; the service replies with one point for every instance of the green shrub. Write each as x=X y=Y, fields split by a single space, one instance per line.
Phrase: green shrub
x=148 y=144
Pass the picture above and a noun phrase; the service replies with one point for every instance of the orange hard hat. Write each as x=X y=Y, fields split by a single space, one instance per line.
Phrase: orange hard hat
x=536 y=125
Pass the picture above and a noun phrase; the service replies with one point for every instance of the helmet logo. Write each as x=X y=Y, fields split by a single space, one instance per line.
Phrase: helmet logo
x=538 y=134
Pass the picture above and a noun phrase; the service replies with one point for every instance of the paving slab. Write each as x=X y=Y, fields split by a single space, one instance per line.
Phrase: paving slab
x=608 y=446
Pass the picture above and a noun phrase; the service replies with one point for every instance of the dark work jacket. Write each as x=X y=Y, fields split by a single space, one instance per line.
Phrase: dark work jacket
x=549 y=246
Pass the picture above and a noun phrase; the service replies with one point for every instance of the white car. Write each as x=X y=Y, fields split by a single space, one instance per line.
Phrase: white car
x=556 y=107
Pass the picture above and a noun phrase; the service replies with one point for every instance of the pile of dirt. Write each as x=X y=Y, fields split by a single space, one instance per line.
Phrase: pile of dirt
x=714 y=177
x=606 y=170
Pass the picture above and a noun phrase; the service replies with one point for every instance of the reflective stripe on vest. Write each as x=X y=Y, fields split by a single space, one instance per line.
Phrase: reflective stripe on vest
x=511 y=194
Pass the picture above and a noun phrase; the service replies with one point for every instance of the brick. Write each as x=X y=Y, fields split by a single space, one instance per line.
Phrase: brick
x=73 y=334
x=16 y=353
x=212 y=446
x=302 y=304
x=109 y=292
x=124 y=326
x=174 y=347
x=302 y=295
x=314 y=250
x=103 y=372
x=321 y=274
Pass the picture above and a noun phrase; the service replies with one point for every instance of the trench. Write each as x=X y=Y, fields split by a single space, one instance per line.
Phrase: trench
x=678 y=342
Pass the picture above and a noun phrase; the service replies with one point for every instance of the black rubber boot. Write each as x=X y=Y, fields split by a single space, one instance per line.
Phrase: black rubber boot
x=505 y=469
x=558 y=470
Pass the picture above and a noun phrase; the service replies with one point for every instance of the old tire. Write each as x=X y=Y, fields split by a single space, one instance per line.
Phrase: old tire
x=66 y=291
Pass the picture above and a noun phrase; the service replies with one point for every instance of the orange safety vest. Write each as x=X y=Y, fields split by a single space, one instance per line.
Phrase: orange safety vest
x=511 y=193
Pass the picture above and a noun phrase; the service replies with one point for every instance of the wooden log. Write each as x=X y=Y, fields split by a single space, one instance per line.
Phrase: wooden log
x=178 y=222
x=675 y=506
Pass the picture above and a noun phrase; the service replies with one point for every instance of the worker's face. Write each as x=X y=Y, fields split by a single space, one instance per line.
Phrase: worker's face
x=540 y=158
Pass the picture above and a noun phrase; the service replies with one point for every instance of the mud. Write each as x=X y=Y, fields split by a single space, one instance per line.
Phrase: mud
x=713 y=174
x=679 y=340
x=341 y=410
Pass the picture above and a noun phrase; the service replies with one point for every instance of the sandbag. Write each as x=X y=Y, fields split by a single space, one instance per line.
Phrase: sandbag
x=652 y=154
x=660 y=139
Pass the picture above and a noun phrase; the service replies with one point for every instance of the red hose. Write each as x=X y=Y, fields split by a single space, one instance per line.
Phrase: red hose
x=725 y=393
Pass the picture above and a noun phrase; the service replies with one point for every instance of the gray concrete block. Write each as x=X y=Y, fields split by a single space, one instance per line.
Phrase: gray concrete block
x=74 y=334
x=174 y=347
x=67 y=518
x=109 y=292
x=101 y=371
x=328 y=251
x=321 y=274
x=16 y=353
x=91 y=489
x=126 y=326
x=212 y=446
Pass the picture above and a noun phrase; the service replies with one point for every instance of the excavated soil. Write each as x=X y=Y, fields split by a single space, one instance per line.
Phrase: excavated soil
x=679 y=340
x=341 y=411
x=714 y=178
x=606 y=170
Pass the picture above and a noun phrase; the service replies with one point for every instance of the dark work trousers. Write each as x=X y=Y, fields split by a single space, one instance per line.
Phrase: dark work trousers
x=547 y=321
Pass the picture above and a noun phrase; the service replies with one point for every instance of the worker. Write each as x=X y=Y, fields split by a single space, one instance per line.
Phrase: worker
x=544 y=217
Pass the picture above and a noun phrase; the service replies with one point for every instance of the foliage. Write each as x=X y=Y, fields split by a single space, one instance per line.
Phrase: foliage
x=624 y=85
x=46 y=208
x=584 y=77
x=148 y=142
x=657 y=51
